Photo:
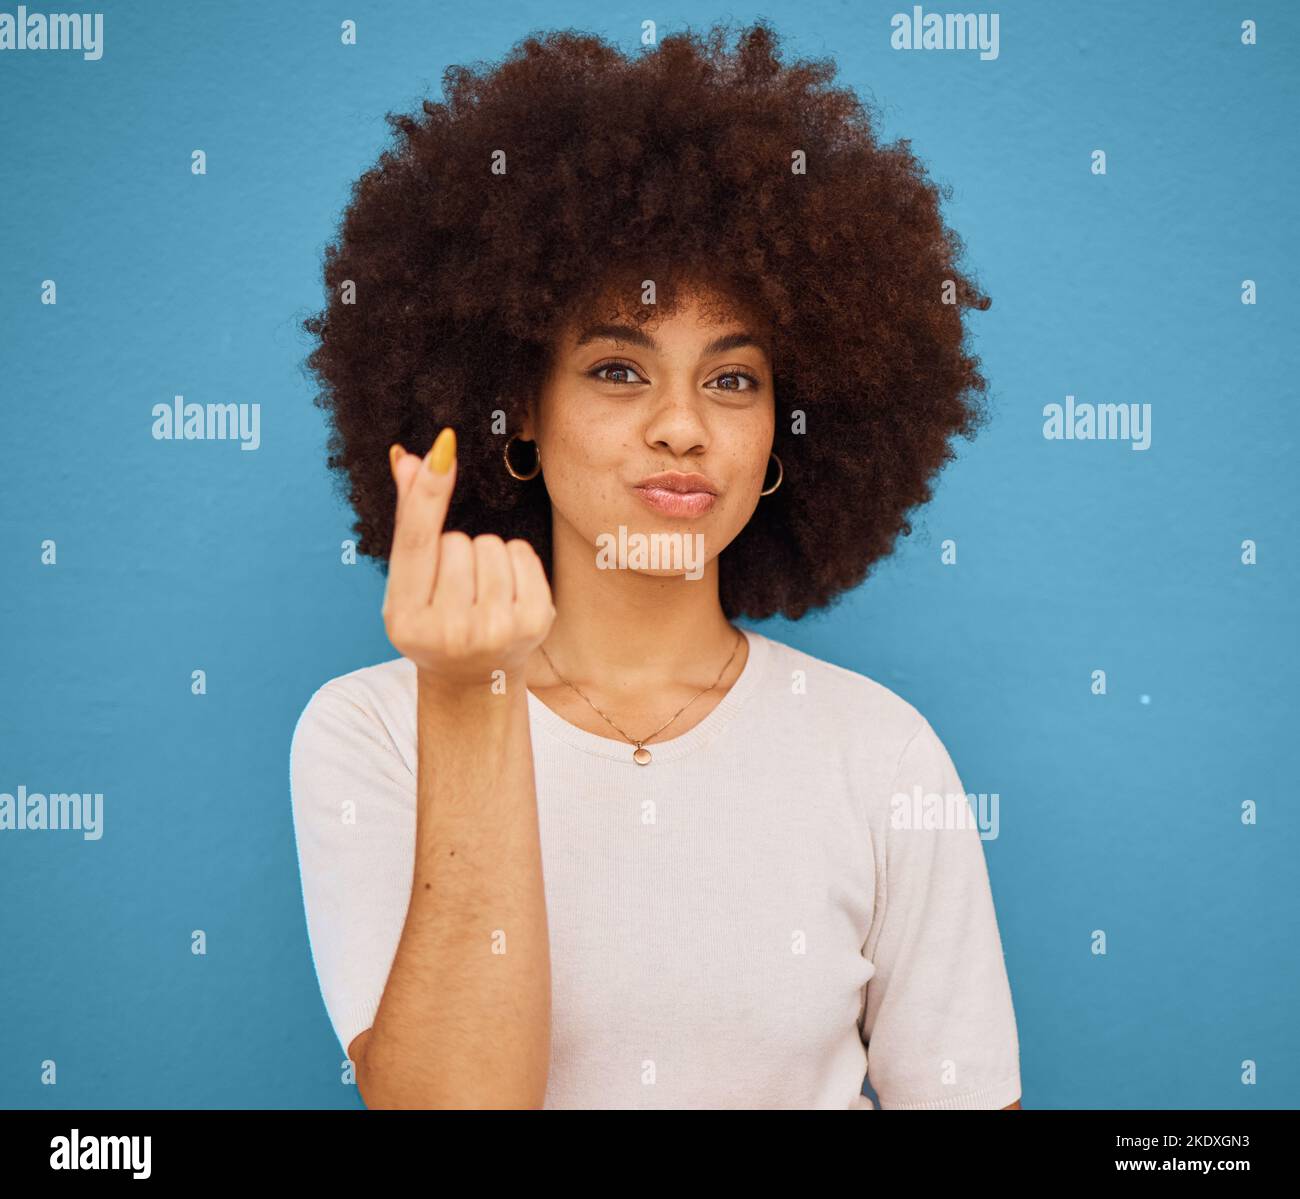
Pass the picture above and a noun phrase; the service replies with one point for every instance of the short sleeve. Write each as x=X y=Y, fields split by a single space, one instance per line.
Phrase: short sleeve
x=938 y=1020
x=354 y=822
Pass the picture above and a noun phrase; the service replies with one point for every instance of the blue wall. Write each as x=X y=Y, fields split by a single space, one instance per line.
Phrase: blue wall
x=1119 y=812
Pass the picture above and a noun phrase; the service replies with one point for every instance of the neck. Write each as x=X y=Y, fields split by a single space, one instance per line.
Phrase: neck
x=624 y=631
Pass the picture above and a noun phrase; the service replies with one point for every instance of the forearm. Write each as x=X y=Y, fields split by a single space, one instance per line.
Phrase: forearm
x=465 y=1016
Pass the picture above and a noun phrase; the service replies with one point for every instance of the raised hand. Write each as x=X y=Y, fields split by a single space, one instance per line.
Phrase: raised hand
x=460 y=608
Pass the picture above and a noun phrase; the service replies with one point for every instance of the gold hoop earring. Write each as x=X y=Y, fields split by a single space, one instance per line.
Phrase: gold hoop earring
x=514 y=474
x=780 y=475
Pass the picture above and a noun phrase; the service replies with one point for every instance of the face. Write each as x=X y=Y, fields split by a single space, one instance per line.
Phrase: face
x=663 y=430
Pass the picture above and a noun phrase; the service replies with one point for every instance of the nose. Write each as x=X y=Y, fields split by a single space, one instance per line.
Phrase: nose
x=676 y=421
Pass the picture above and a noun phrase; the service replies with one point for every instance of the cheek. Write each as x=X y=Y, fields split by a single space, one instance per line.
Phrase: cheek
x=751 y=452
x=586 y=467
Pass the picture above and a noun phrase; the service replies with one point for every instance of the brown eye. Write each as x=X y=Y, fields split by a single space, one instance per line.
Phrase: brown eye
x=753 y=383
x=615 y=366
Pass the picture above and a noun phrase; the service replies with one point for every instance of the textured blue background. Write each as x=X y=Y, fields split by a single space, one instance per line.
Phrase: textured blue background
x=1117 y=814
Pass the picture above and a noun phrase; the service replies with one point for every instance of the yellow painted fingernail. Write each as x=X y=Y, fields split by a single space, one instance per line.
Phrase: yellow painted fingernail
x=443 y=453
x=395 y=455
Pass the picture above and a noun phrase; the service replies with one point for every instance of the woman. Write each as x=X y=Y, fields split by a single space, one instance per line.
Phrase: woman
x=687 y=304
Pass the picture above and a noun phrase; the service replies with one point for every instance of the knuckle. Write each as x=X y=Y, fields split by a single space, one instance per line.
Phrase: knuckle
x=408 y=530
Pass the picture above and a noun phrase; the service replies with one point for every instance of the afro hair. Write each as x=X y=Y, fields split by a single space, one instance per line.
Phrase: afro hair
x=570 y=173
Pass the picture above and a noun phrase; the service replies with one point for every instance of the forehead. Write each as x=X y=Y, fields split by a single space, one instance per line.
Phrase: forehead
x=719 y=343
x=711 y=323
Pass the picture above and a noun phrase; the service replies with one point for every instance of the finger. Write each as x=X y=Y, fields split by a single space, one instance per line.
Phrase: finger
x=533 y=601
x=494 y=579
x=409 y=539
x=453 y=589
x=399 y=463
x=424 y=495
x=404 y=465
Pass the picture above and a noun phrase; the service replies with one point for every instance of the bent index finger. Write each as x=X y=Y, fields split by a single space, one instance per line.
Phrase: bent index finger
x=424 y=487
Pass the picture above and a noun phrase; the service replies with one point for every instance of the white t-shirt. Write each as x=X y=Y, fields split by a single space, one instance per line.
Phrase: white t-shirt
x=729 y=924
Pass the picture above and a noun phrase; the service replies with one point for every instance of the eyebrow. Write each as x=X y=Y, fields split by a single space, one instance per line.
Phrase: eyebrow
x=638 y=337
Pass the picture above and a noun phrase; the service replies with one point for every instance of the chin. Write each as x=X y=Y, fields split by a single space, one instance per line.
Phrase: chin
x=663 y=549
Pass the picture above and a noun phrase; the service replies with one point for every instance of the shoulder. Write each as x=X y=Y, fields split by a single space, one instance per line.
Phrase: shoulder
x=372 y=706
x=836 y=697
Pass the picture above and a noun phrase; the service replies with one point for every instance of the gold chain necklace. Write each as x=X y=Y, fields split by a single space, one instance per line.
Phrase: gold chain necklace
x=641 y=755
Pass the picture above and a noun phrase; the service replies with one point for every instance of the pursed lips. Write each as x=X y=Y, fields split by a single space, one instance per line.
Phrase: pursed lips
x=676 y=494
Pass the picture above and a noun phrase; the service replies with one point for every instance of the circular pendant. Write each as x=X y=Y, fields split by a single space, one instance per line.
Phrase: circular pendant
x=641 y=755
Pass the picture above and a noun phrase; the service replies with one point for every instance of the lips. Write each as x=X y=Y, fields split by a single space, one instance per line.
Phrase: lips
x=676 y=494
x=675 y=480
x=677 y=503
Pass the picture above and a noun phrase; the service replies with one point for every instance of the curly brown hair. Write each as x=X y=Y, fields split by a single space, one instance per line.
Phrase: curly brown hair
x=570 y=173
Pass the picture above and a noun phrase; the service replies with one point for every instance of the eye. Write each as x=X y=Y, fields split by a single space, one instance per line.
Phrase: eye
x=753 y=383
x=625 y=367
